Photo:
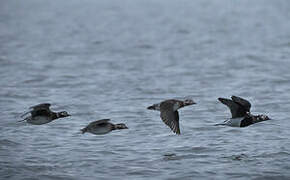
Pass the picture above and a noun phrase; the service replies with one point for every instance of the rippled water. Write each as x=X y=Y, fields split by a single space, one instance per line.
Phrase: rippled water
x=112 y=59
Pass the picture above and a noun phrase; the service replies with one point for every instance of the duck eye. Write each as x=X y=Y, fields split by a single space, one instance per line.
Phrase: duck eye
x=187 y=101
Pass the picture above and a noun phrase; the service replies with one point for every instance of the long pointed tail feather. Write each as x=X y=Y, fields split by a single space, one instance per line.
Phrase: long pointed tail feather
x=23 y=120
x=24 y=114
x=220 y=124
x=84 y=130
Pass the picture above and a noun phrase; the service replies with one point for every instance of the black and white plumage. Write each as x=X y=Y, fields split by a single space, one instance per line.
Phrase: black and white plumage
x=41 y=114
x=240 y=110
x=168 y=112
x=102 y=126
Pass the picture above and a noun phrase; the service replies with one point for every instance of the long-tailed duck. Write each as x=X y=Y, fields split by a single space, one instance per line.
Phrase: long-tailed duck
x=241 y=115
x=102 y=126
x=168 y=112
x=41 y=114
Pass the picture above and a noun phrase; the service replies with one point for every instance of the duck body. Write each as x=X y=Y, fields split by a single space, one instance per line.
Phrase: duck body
x=102 y=126
x=39 y=120
x=237 y=122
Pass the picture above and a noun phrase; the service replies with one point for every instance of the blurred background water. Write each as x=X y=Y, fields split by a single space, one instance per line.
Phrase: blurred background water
x=112 y=59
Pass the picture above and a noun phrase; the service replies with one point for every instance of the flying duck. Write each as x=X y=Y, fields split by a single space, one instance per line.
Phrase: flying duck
x=102 y=126
x=241 y=115
x=41 y=114
x=168 y=112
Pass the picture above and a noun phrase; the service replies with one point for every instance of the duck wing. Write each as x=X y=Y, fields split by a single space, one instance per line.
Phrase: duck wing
x=243 y=102
x=169 y=116
x=41 y=106
x=236 y=109
x=34 y=109
x=40 y=110
x=101 y=122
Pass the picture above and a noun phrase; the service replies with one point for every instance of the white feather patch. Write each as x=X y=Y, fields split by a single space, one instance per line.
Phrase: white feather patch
x=38 y=120
x=234 y=122
x=175 y=107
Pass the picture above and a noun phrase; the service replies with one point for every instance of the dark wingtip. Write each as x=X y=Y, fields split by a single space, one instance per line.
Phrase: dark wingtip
x=177 y=132
x=237 y=98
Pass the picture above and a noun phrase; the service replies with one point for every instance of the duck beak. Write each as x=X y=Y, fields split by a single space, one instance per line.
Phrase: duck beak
x=189 y=103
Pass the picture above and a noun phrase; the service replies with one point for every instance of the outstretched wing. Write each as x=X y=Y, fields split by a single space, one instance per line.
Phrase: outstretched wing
x=40 y=110
x=99 y=122
x=170 y=117
x=243 y=102
x=236 y=109
x=41 y=106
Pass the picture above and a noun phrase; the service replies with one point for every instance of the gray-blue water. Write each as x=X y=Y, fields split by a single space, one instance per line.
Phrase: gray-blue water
x=112 y=59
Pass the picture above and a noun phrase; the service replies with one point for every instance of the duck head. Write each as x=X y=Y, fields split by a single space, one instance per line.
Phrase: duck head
x=121 y=126
x=188 y=102
x=262 y=117
x=62 y=114
x=154 y=107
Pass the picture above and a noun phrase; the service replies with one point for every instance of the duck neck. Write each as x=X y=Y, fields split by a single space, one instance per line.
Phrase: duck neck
x=259 y=118
x=54 y=115
x=117 y=126
x=178 y=106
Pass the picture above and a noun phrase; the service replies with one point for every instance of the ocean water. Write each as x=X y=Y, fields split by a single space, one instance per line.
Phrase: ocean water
x=112 y=59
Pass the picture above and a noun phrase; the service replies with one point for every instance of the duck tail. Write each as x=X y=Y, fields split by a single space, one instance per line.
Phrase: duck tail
x=23 y=119
x=24 y=114
x=220 y=124
x=84 y=130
